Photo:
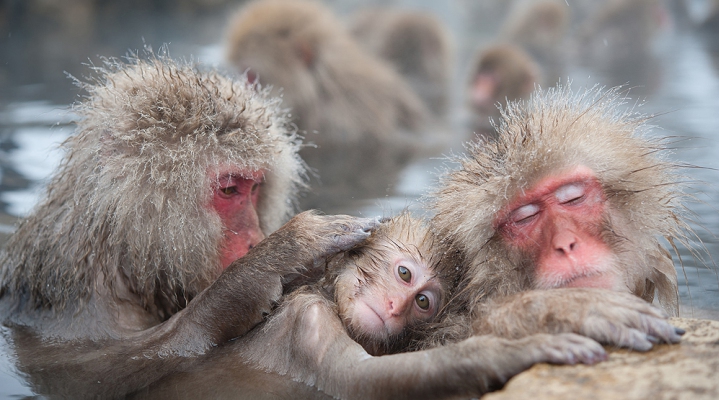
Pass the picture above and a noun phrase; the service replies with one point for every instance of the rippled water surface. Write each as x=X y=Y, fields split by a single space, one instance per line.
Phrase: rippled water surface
x=678 y=81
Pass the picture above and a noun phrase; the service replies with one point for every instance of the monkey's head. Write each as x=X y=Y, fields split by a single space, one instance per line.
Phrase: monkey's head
x=172 y=174
x=279 y=42
x=390 y=284
x=572 y=194
x=502 y=72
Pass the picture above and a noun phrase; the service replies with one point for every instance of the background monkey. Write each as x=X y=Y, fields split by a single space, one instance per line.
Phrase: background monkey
x=416 y=43
x=355 y=110
x=501 y=72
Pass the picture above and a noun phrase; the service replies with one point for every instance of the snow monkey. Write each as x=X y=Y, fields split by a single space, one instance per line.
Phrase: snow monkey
x=559 y=220
x=416 y=43
x=128 y=262
x=355 y=111
x=373 y=300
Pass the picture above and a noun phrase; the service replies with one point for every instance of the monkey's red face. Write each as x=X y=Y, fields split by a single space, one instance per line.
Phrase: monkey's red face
x=483 y=91
x=408 y=293
x=558 y=225
x=235 y=200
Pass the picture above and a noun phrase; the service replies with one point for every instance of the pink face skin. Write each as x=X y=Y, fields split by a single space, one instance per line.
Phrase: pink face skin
x=483 y=90
x=557 y=223
x=410 y=292
x=235 y=200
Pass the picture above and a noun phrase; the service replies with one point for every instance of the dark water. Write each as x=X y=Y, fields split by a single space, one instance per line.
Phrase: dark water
x=677 y=79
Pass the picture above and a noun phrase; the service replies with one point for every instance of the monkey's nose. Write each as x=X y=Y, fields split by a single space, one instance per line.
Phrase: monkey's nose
x=396 y=306
x=564 y=242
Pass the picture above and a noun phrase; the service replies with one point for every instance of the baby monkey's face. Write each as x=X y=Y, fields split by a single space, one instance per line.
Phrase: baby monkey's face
x=389 y=288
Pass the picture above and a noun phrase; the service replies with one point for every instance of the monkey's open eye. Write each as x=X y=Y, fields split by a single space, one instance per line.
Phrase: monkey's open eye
x=404 y=273
x=422 y=301
x=229 y=190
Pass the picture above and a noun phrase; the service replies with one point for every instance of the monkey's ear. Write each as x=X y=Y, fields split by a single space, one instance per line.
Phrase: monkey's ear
x=305 y=52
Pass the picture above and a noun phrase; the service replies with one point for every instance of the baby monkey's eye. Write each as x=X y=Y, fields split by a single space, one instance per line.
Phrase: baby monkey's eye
x=422 y=301
x=404 y=273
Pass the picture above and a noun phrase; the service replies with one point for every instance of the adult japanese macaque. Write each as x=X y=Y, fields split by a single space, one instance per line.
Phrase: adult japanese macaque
x=617 y=40
x=373 y=301
x=540 y=27
x=502 y=72
x=358 y=111
x=559 y=221
x=416 y=43
x=537 y=25
x=126 y=270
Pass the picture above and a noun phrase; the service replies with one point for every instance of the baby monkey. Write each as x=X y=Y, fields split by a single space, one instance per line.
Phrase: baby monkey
x=377 y=300
x=389 y=286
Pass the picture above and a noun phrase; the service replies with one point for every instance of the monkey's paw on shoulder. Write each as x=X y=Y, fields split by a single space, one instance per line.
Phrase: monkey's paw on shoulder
x=331 y=234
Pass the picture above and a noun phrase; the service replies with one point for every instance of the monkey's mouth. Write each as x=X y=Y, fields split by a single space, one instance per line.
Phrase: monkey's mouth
x=591 y=280
x=592 y=274
x=370 y=321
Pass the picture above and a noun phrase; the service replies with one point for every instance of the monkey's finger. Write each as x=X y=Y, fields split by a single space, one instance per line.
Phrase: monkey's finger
x=369 y=224
x=663 y=331
x=647 y=320
x=352 y=231
x=626 y=300
x=569 y=348
x=615 y=334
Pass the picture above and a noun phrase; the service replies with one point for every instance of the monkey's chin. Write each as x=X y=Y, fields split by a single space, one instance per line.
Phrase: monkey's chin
x=601 y=281
x=368 y=321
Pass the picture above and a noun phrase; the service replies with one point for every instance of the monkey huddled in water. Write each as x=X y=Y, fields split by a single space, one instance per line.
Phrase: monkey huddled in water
x=559 y=221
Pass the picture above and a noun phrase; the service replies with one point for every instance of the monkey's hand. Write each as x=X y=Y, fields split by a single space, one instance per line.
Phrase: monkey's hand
x=609 y=317
x=251 y=286
x=515 y=356
x=318 y=237
x=325 y=235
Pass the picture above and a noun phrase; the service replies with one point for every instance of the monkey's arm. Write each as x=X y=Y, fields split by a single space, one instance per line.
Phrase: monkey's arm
x=237 y=301
x=307 y=341
x=607 y=316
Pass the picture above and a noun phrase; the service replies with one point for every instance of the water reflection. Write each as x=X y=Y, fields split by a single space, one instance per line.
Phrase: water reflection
x=677 y=75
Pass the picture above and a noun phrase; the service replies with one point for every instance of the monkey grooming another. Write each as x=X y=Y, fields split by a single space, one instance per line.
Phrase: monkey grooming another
x=560 y=218
x=125 y=271
x=373 y=301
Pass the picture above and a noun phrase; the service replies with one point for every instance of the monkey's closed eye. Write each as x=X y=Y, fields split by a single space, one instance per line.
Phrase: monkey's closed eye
x=422 y=301
x=404 y=273
x=569 y=194
x=525 y=213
